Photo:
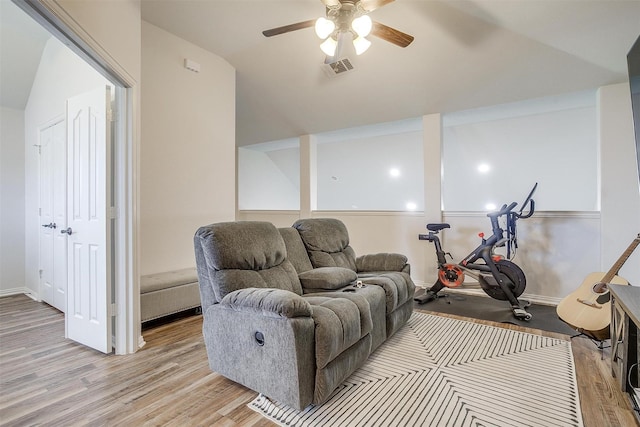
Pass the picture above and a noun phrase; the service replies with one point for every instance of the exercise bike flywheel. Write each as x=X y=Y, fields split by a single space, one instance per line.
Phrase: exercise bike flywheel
x=451 y=275
x=512 y=272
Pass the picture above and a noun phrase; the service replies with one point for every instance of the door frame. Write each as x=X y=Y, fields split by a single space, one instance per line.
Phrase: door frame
x=124 y=238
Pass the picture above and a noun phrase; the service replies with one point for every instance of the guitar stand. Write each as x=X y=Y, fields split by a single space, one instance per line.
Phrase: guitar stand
x=600 y=343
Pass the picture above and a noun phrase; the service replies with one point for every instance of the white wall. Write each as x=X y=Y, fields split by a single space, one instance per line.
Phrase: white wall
x=354 y=173
x=551 y=269
x=187 y=171
x=620 y=197
x=552 y=266
x=12 y=238
x=263 y=182
x=115 y=29
x=546 y=251
x=552 y=141
x=61 y=75
x=556 y=249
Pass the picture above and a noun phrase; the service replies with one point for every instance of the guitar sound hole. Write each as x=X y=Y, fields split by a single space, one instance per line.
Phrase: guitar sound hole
x=600 y=288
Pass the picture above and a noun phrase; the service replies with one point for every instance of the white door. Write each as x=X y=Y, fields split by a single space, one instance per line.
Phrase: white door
x=88 y=319
x=53 y=213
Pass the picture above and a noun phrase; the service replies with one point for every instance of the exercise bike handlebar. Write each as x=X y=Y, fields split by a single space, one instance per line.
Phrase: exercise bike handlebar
x=528 y=201
x=503 y=211
x=507 y=209
x=532 y=209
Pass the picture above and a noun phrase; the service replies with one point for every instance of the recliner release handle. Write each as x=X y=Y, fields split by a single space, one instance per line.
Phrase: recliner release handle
x=259 y=336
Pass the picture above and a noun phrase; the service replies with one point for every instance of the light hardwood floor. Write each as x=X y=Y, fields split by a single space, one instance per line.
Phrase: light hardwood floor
x=47 y=380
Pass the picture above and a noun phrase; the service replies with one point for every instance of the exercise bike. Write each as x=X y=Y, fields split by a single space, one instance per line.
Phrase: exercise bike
x=499 y=278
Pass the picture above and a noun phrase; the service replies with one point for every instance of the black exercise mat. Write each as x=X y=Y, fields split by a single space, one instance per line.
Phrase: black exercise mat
x=486 y=308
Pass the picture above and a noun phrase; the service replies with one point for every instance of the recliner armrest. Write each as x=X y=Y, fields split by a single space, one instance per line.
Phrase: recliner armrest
x=381 y=262
x=269 y=302
x=327 y=278
x=262 y=350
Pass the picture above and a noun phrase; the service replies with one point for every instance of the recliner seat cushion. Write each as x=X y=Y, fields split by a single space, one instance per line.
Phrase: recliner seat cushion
x=398 y=287
x=374 y=297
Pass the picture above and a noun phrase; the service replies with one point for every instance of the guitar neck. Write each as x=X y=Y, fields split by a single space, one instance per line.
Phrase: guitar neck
x=623 y=258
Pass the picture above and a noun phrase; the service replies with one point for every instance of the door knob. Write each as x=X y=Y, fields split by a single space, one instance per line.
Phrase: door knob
x=68 y=231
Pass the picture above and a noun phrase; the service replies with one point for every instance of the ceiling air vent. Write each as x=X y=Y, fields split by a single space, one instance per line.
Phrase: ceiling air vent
x=339 y=67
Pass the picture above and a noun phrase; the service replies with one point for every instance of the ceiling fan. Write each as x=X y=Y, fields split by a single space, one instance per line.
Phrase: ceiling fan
x=347 y=20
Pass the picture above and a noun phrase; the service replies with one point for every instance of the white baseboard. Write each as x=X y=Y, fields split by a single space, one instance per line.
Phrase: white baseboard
x=17 y=291
x=141 y=342
x=476 y=291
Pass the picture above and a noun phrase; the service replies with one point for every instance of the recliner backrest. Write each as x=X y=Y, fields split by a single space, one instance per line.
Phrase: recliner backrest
x=327 y=242
x=296 y=251
x=239 y=255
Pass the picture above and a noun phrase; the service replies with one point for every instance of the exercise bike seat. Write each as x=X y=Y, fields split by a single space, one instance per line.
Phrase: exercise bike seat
x=437 y=226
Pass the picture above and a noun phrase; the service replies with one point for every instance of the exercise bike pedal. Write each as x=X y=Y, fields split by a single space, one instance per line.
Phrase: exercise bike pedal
x=522 y=314
x=425 y=297
x=429 y=296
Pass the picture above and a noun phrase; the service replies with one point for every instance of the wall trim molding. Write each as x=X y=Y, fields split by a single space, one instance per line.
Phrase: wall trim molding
x=452 y=214
x=417 y=214
x=538 y=214
x=266 y=212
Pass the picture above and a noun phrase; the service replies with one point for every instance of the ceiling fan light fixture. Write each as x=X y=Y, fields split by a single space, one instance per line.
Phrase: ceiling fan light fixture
x=329 y=46
x=362 y=25
x=324 y=27
x=361 y=45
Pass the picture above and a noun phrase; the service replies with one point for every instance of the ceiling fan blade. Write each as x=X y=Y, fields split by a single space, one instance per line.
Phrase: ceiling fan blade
x=391 y=35
x=289 y=28
x=371 y=5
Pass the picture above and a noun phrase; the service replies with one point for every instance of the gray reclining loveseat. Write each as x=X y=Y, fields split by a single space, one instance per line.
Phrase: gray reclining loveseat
x=283 y=311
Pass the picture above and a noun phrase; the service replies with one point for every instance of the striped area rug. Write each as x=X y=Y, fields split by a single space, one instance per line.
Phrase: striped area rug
x=438 y=371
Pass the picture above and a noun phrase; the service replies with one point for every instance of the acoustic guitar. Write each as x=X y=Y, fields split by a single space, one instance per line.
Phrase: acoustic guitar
x=588 y=308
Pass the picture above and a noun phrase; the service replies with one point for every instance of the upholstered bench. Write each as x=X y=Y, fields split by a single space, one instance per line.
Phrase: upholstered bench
x=170 y=292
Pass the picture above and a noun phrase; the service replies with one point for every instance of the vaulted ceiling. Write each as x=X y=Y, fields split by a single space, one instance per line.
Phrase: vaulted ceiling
x=466 y=54
x=22 y=41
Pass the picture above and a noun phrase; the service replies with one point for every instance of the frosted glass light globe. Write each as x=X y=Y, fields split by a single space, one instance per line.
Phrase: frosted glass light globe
x=324 y=27
x=362 y=25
